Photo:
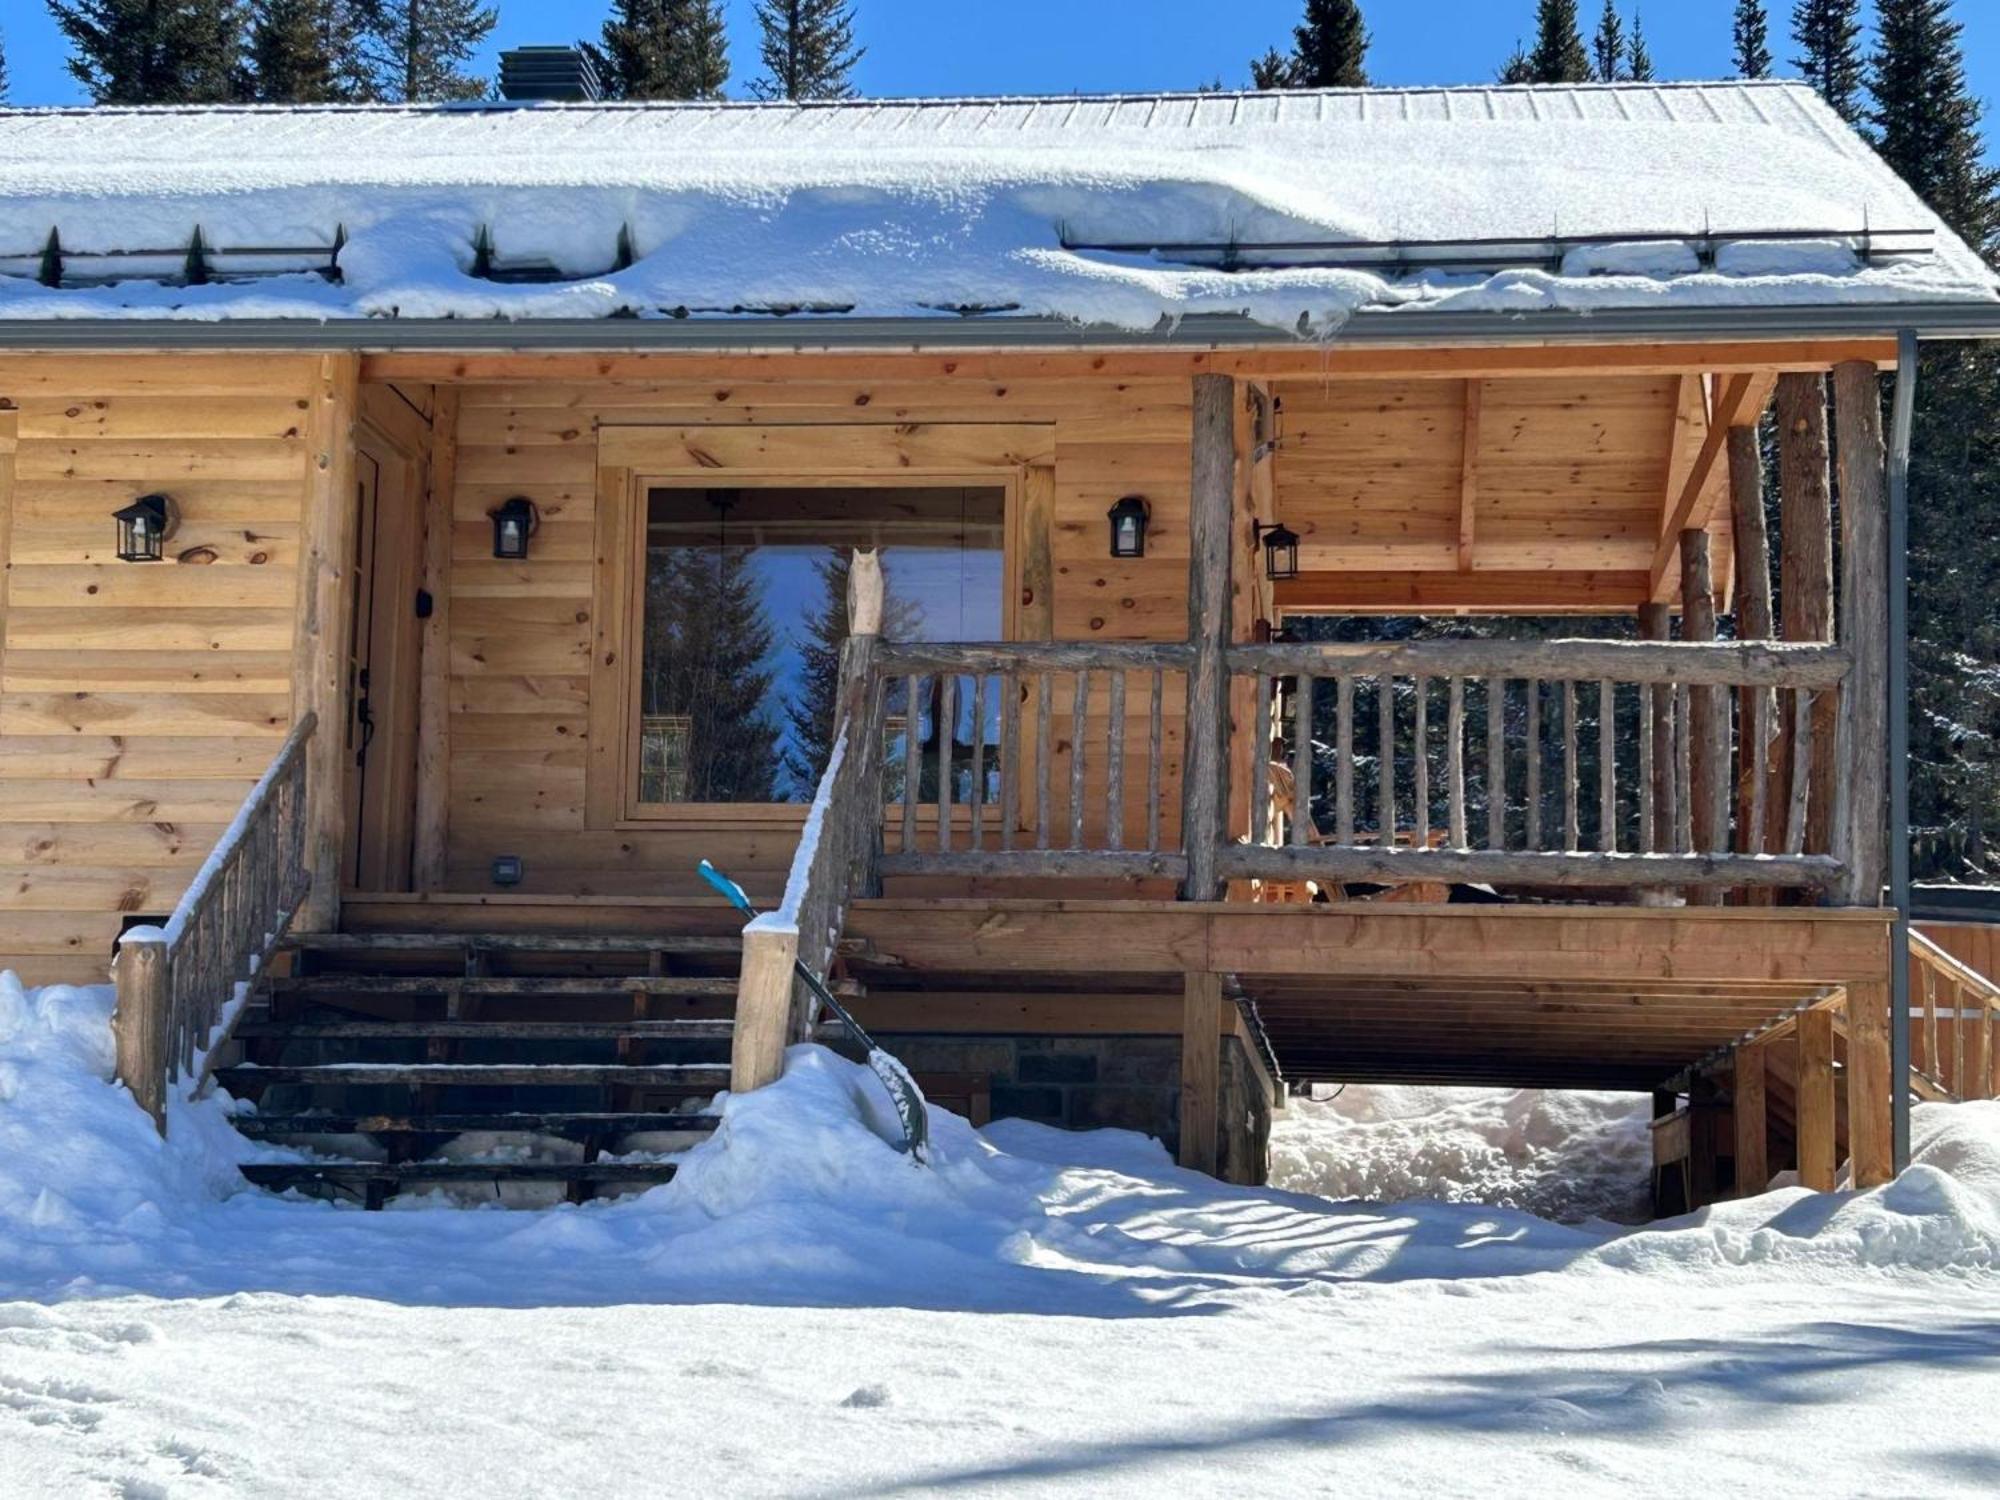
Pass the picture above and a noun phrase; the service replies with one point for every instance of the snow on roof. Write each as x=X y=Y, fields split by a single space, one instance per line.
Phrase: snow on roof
x=1295 y=209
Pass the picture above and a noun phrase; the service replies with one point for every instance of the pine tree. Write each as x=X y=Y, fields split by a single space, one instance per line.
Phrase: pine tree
x=416 y=47
x=664 y=49
x=1927 y=126
x=1559 y=55
x=309 y=52
x=808 y=49
x=705 y=667
x=1271 y=71
x=1330 y=49
x=1519 y=67
x=1607 y=48
x=3 y=67
x=146 y=52
x=1638 y=56
x=1752 y=37
x=1829 y=38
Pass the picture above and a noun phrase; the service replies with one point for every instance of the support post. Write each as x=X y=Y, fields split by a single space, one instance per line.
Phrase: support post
x=1901 y=430
x=1201 y=1070
x=1864 y=628
x=1752 y=607
x=1818 y=1155
x=139 y=1023
x=1805 y=583
x=1205 y=763
x=1869 y=1128
x=1749 y=1098
x=1708 y=711
x=764 y=1006
x=319 y=643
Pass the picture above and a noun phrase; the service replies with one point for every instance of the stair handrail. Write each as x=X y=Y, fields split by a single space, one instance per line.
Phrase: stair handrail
x=1961 y=1058
x=837 y=859
x=180 y=986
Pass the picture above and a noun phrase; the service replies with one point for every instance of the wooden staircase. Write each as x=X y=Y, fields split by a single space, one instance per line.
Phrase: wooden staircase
x=485 y=1060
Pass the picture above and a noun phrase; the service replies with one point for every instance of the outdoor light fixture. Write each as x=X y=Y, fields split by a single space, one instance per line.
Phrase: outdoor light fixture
x=143 y=528
x=1281 y=551
x=1129 y=518
x=513 y=524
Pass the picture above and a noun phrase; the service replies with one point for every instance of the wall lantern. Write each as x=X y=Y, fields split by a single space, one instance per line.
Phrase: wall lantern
x=144 y=526
x=513 y=524
x=1129 y=518
x=1281 y=551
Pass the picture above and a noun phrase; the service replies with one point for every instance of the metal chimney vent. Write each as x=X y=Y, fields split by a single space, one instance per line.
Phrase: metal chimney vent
x=554 y=74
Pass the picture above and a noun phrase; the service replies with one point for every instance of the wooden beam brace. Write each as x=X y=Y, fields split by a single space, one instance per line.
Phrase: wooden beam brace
x=1681 y=513
x=1486 y=592
x=1814 y=1106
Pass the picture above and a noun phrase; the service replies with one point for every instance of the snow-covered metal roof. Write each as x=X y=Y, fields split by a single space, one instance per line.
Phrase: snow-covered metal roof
x=1296 y=210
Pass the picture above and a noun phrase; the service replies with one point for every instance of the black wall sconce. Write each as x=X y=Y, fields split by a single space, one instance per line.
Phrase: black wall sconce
x=1129 y=519
x=513 y=524
x=144 y=526
x=1281 y=551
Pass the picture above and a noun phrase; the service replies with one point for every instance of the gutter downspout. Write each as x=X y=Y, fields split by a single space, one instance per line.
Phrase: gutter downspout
x=1902 y=421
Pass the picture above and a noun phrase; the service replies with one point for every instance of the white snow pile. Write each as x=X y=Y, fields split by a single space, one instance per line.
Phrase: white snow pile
x=800 y=1199
x=1107 y=211
x=1565 y=1155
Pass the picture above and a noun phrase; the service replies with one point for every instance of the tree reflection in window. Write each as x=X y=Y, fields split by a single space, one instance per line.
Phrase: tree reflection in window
x=745 y=610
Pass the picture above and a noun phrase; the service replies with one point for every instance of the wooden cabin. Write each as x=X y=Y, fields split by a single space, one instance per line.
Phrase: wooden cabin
x=482 y=588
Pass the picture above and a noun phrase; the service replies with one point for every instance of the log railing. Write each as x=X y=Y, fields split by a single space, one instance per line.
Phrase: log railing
x=180 y=986
x=1570 y=763
x=835 y=861
x=1030 y=758
x=1954 y=1023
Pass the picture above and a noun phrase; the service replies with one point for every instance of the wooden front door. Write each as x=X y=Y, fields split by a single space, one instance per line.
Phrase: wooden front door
x=382 y=667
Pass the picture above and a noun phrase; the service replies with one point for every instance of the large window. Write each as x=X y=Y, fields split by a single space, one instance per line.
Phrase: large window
x=745 y=609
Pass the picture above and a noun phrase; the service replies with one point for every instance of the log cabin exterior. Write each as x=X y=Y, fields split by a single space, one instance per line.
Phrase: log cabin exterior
x=1076 y=855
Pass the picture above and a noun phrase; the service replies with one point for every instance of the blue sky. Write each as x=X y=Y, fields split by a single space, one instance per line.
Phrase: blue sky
x=1052 y=46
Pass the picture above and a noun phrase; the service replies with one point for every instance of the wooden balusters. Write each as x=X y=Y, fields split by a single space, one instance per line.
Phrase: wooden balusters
x=1011 y=689
x=1114 y=765
x=947 y=741
x=1260 y=763
x=1343 y=782
x=1079 y=739
x=978 y=791
x=1302 y=759
x=1607 y=769
x=1455 y=763
x=913 y=774
x=1534 y=780
x=1496 y=763
x=1572 y=834
x=1045 y=702
x=1421 y=760
x=1156 y=744
x=1385 y=730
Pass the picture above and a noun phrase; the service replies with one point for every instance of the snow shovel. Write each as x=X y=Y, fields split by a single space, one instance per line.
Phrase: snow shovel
x=904 y=1094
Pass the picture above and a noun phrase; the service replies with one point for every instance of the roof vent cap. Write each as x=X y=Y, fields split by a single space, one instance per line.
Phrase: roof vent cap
x=548 y=75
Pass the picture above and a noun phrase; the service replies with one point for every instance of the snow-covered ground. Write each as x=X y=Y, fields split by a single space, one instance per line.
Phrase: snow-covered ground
x=1567 y=1155
x=805 y=1312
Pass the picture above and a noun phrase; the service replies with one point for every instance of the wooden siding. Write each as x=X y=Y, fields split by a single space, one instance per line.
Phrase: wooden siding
x=138 y=702
x=522 y=633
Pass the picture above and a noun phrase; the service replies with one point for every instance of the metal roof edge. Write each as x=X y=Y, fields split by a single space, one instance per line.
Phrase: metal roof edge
x=1940 y=320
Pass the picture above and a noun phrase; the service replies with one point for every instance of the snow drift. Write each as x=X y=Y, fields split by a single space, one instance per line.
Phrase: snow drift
x=799 y=1198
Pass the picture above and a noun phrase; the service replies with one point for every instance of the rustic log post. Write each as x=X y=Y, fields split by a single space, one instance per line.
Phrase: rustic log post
x=1708 y=714
x=139 y=1024
x=1201 y=1070
x=764 y=1006
x=1864 y=627
x=1656 y=624
x=1815 y=1116
x=1205 y=760
x=320 y=635
x=1752 y=606
x=1749 y=1100
x=861 y=697
x=1805 y=586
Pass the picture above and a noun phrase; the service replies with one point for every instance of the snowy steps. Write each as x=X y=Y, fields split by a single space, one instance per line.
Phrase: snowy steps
x=527 y=1062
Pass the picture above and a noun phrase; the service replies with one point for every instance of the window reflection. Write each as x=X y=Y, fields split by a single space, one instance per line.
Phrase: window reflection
x=744 y=612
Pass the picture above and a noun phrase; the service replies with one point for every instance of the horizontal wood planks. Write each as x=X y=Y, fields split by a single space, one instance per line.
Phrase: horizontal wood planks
x=138 y=702
x=523 y=635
